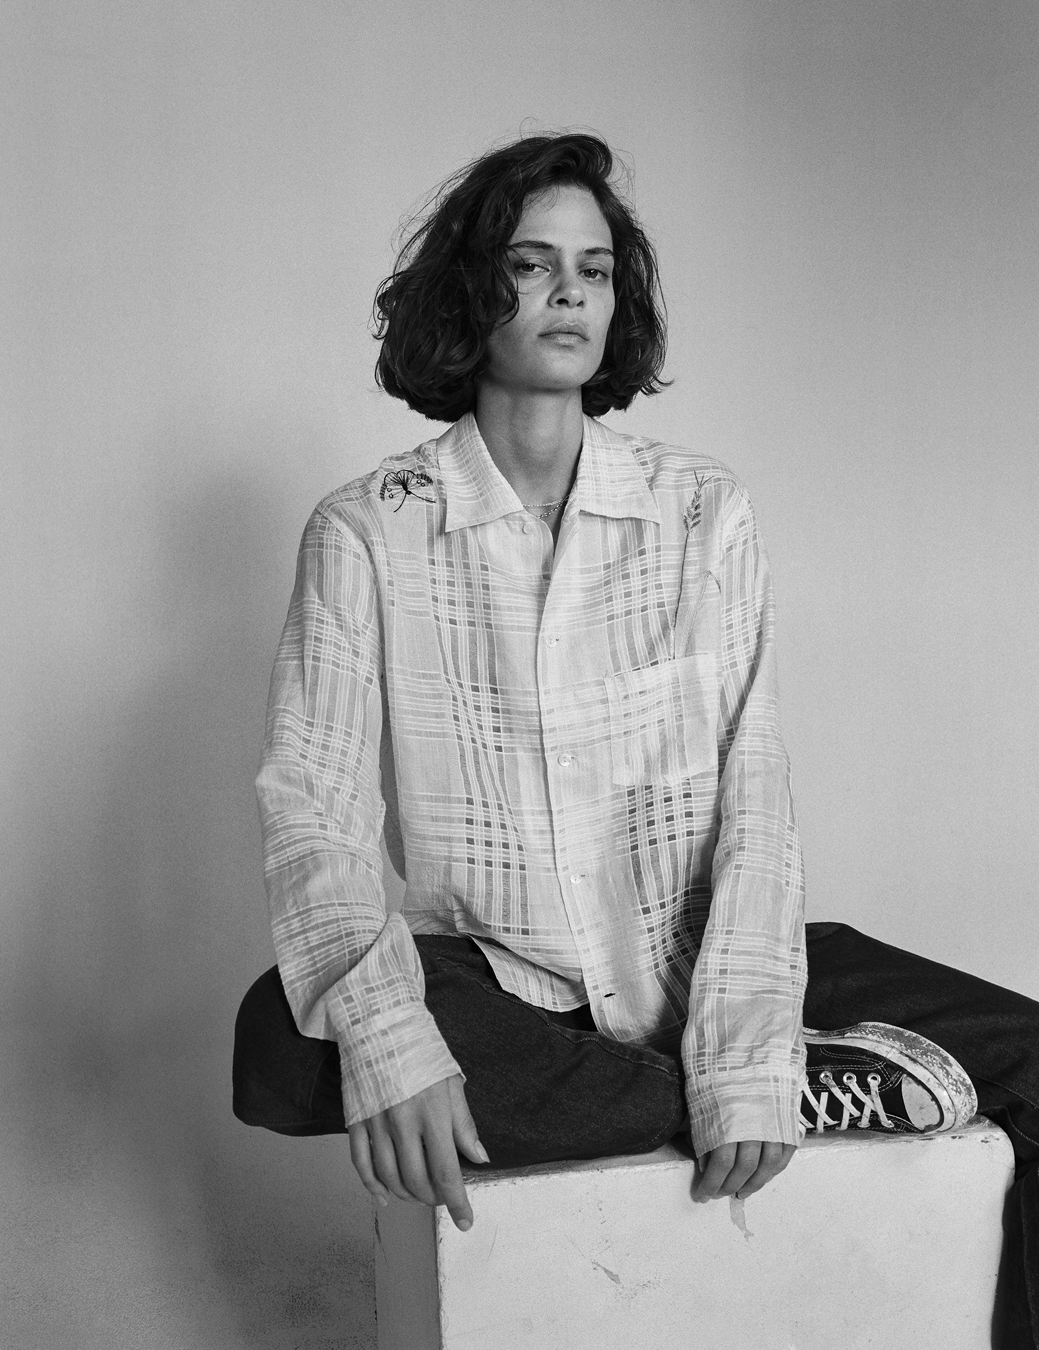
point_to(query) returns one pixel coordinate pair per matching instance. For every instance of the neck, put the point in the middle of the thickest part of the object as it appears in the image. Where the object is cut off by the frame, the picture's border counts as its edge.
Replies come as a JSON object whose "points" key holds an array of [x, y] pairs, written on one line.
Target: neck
{"points": [[533, 440]]}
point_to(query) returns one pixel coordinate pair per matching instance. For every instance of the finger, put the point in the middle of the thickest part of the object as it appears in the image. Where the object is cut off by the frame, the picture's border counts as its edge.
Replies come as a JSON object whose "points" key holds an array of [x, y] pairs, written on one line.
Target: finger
{"points": [[717, 1166], [774, 1157], [463, 1126], [748, 1155], [385, 1160], [411, 1160], [361, 1157], [446, 1176]]}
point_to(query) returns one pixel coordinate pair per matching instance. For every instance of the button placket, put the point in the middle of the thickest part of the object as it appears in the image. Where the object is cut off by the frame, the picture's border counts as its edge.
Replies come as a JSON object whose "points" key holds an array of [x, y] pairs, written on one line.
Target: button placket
{"points": [[552, 680]]}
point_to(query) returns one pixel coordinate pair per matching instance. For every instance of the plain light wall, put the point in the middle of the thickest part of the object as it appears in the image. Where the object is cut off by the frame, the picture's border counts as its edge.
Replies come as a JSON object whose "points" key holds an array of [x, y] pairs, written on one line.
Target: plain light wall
{"points": [[844, 197]]}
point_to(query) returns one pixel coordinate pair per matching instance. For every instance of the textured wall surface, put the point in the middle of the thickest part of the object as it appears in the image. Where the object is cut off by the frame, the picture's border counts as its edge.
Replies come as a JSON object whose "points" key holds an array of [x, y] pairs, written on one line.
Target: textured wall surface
{"points": [[204, 198]]}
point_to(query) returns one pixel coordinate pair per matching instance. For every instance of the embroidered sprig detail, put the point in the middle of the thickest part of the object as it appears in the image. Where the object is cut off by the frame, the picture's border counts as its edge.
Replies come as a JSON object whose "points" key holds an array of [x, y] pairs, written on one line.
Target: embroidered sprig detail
{"points": [[403, 484], [694, 510]]}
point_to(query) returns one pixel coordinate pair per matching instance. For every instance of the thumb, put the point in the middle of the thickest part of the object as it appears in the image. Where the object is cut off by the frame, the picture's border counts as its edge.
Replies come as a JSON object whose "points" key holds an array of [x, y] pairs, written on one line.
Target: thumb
{"points": [[467, 1141]]}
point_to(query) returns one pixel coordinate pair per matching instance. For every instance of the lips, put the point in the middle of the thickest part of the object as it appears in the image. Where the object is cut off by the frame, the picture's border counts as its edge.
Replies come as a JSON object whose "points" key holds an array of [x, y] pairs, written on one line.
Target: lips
{"points": [[568, 330]]}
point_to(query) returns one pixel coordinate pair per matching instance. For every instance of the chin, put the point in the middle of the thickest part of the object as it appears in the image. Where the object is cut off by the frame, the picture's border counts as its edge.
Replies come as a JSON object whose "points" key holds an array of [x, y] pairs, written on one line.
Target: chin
{"points": [[566, 374]]}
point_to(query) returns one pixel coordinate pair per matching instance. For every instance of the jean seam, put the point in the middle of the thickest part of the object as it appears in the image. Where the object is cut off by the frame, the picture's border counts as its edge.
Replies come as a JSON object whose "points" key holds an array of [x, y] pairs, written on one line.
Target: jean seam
{"points": [[615, 1048], [315, 1075], [1016, 1092], [670, 1130], [1013, 1125], [284, 1124]]}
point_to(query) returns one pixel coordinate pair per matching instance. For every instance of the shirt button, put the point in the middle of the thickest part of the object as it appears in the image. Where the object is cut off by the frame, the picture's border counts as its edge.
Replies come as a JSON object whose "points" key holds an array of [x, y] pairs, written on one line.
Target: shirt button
{"points": [[566, 760], [576, 877], [528, 529], [551, 642]]}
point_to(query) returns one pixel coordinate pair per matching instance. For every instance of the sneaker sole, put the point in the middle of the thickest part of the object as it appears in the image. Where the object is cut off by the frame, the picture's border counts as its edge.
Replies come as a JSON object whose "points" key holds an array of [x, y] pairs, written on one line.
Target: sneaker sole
{"points": [[934, 1067]]}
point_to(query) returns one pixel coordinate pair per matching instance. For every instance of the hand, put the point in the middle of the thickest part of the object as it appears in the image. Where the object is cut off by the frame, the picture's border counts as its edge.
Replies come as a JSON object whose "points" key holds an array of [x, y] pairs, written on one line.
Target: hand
{"points": [[412, 1149], [740, 1169]]}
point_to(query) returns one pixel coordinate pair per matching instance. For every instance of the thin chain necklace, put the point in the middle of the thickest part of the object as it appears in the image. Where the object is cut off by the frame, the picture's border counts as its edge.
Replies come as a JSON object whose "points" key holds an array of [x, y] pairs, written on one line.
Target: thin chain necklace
{"points": [[544, 509]]}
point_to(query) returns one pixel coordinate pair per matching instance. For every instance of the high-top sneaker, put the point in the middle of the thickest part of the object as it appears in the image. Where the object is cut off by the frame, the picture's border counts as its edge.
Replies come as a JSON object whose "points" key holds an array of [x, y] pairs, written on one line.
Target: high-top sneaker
{"points": [[873, 1076]]}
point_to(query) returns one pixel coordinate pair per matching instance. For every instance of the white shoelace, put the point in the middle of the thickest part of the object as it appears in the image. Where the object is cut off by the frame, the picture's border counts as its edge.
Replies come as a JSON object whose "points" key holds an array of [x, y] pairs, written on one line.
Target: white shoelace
{"points": [[870, 1103]]}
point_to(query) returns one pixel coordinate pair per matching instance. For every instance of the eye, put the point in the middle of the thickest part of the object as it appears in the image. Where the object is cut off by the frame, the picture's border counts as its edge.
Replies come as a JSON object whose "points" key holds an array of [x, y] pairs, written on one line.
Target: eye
{"points": [[527, 267], [597, 274]]}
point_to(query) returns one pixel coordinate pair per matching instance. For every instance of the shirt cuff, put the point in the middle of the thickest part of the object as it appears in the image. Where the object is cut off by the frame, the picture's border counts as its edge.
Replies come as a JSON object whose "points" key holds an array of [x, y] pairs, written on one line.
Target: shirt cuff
{"points": [[398, 1055], [751, 1103]]}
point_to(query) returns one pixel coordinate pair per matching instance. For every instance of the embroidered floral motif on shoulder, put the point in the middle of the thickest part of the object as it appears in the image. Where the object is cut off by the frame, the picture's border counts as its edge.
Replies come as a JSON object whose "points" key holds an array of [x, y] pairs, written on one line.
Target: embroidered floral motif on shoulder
{"points": [[694, 510], [402, 484]]}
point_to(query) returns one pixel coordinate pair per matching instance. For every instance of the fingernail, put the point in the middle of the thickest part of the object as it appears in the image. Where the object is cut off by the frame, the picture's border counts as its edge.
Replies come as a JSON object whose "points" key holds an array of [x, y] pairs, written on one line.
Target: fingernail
{"points": [[482, 1152], [465, 1224], [382, 1201]]}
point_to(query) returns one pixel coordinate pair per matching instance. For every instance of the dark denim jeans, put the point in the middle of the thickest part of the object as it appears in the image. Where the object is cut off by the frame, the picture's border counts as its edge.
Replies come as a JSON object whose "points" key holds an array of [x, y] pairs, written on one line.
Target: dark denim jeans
{"points": [[544, 1086]]}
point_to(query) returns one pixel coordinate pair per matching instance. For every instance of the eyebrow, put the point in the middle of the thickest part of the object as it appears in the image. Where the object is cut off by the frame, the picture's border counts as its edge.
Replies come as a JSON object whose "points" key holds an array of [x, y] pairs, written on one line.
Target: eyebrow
{"points": [[544, 244]]}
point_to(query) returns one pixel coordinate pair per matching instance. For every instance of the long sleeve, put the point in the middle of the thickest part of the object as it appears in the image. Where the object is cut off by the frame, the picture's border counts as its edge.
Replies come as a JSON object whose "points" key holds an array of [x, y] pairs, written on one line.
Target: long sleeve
{"points": [[742, 1047], [351, 974]]}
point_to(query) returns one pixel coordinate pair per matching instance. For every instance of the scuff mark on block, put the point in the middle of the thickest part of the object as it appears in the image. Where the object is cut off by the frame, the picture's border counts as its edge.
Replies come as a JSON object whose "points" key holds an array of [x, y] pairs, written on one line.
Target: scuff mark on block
{"points": [[737, 1215], [610, 1274]]}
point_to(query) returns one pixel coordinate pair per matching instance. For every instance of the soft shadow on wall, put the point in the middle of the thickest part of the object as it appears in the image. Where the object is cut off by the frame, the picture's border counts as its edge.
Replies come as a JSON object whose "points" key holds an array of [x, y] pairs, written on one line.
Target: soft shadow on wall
{"points": [[149, 922]]}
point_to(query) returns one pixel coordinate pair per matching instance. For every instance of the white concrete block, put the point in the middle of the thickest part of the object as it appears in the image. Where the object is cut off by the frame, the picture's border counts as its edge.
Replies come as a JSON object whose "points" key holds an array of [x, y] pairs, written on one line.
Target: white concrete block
{"points": [[863, 1241]]}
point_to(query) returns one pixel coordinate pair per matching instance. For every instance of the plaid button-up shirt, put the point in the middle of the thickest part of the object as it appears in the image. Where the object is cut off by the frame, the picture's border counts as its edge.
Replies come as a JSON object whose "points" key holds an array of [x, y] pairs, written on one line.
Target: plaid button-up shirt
{"points": [[576, 759]]}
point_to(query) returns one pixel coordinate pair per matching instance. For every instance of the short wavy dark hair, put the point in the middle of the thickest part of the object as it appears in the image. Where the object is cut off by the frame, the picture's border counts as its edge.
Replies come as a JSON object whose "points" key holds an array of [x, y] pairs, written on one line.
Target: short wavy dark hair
{"points": [[452, 284]]}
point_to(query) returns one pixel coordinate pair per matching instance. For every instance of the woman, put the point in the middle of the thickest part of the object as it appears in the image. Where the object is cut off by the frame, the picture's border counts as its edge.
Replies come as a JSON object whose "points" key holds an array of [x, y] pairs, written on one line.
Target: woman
{"points": [[545, 650]]}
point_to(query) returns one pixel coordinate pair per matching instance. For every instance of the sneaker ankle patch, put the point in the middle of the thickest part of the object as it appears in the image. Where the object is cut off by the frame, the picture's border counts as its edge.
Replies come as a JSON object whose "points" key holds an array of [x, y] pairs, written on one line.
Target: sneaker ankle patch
{"points": [[922, 1111]]}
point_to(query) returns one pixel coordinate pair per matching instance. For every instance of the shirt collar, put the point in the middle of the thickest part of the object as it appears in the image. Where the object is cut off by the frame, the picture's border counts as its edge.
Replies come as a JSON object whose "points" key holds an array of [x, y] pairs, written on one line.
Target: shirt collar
{"points": [[610, 480]]}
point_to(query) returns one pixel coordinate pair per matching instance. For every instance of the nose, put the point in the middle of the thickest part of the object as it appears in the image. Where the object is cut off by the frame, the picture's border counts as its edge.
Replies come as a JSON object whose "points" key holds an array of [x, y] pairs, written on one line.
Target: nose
{"points": [[569, 291]]}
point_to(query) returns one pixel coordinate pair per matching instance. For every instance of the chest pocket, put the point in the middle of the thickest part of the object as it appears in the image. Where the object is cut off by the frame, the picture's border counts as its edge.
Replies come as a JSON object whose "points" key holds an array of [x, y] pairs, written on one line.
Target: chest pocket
{"points": [[664, 721]]}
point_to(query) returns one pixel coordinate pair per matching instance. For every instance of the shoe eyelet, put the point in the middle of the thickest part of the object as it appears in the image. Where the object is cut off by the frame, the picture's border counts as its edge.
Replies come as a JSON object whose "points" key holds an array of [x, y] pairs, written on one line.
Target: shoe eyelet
{"points": [[850, 1079], [873, 1079]]}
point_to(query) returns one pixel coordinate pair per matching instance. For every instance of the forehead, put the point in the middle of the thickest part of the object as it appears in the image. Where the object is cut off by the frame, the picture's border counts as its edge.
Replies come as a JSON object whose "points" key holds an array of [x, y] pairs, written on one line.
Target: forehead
{"points": [[564, 216]]}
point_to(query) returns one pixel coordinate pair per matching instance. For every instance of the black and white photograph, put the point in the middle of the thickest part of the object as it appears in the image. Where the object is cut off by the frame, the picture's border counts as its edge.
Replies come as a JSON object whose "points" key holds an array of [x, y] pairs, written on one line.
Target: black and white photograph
{"points": [[520, 610]]}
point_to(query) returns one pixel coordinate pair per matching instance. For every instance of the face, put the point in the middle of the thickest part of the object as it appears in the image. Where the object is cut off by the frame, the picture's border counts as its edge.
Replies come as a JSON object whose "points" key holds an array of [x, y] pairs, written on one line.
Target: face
{"points": [[562, 255]]}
